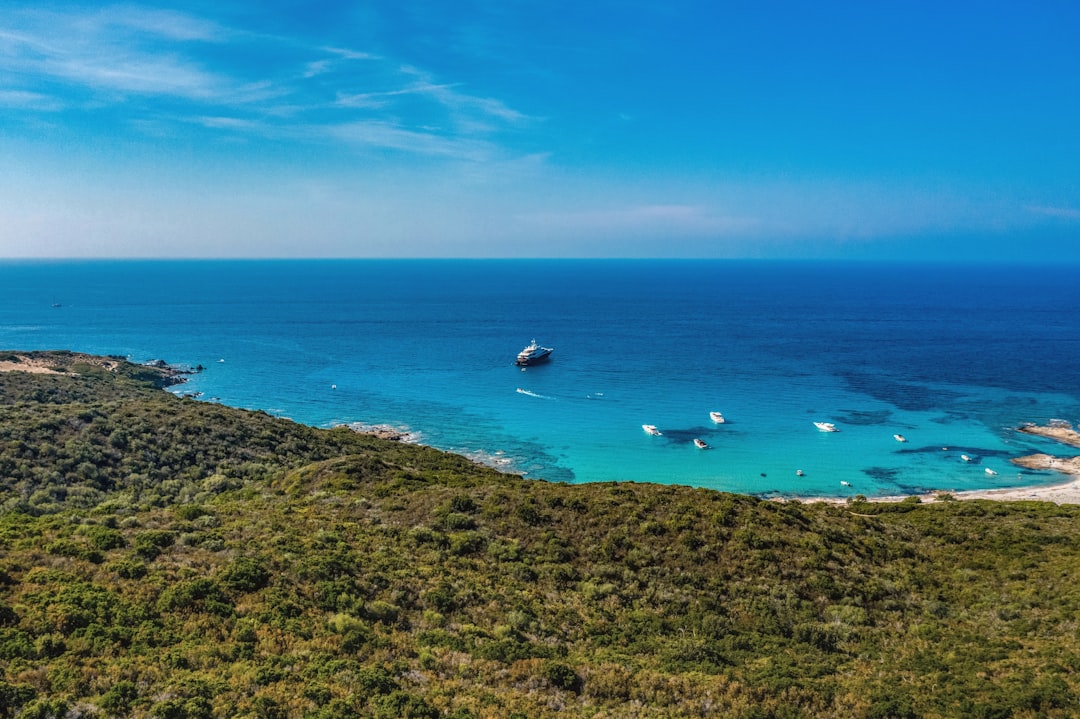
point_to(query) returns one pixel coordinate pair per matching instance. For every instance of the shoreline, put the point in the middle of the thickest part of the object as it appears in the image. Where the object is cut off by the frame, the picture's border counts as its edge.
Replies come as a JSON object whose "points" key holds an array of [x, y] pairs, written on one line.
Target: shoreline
{"points": [[1066, 491]]}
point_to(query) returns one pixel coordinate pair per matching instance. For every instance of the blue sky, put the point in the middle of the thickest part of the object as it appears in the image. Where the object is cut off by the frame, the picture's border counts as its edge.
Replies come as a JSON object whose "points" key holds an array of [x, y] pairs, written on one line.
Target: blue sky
{"points": [[504, 128]]}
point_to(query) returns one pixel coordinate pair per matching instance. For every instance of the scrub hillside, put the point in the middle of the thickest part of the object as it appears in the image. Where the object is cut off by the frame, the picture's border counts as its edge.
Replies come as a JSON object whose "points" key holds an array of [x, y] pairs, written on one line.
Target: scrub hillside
{"points": [[165, 557]]}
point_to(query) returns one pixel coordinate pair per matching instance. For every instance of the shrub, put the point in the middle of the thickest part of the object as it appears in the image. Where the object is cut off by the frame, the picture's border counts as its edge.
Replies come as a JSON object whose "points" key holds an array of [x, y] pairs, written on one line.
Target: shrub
{"points": [[119, 698], [195, 595], [189, 512], [463, 504], [462, 543], [244, 575], [8, 617], [562, 676], [149, 544], [104, 538], [458, 521], [129, 568], [376, 680]]}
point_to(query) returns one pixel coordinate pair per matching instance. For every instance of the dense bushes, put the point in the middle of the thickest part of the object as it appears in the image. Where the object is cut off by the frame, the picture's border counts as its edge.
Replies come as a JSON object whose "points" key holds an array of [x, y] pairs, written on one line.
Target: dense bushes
{"points": [[199, 572]]}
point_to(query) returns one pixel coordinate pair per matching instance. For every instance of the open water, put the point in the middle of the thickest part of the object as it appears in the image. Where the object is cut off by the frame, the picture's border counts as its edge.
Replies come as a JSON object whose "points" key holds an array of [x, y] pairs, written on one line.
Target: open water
{"points": [[953, 357]]}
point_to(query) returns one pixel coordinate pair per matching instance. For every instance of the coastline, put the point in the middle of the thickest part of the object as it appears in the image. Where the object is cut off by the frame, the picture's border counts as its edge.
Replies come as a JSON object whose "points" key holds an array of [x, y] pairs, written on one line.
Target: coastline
{"points": [[1066, 491], [1063, 492]]}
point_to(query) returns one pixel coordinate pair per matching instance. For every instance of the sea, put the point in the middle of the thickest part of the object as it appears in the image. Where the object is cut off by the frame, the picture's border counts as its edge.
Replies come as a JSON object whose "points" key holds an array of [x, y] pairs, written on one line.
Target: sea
{"points": [[952, 357]]}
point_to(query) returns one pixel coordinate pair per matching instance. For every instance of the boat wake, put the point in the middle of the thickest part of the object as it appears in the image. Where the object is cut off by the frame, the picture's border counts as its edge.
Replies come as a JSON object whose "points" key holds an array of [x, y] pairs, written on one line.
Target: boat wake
{"points": [[533, 394]]}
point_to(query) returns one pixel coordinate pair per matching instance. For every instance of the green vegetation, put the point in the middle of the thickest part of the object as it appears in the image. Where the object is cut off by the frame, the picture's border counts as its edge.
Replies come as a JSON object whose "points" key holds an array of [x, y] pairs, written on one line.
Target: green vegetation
{"points": [[162, 557]]}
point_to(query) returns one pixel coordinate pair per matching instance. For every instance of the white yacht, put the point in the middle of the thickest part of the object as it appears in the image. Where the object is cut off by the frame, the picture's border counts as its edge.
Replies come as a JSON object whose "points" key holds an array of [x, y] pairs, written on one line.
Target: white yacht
{"points": [[717, 417], [533, 354], [826, 426], [899, 438], [700, 443], [651, 429]]}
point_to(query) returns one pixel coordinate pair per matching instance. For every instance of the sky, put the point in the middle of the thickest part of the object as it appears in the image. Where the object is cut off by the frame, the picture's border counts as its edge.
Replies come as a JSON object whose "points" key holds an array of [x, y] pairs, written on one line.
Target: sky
{"points": [[506, 128]]}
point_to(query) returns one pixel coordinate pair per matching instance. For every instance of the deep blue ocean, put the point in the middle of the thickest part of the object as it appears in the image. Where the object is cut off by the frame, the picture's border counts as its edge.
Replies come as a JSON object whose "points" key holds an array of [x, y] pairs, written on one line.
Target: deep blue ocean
{"points": [[953, 357]]}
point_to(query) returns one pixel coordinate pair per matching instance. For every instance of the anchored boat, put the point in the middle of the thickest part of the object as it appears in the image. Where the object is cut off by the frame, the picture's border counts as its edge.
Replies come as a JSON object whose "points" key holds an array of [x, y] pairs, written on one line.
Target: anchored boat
{"points": [[533, 354]]}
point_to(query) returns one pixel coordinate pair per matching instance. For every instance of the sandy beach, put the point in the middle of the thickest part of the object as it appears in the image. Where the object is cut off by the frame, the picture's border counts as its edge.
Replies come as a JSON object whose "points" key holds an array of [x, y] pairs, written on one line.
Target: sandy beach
{"points": [[1066, 492]]}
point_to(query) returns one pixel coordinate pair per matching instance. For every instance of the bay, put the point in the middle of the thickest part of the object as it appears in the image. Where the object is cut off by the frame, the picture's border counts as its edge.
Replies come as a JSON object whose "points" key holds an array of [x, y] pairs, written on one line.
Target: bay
{"points": [[952, 356]]}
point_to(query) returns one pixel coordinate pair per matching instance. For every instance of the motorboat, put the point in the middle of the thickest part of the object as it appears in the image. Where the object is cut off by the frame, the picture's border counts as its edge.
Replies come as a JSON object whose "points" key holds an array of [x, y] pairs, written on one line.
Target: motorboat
{"points": [[965, 458], [799, 473], [826, 426], [651, 429], [533, 354], [717, 417], [899, 438], [700, 443], [989, 471], [844, 483]]}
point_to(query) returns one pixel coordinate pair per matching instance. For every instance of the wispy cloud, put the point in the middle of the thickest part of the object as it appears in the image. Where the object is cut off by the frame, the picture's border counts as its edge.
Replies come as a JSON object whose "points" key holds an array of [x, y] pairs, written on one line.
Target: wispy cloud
{"points": [[386, 135], [464, 112], [22, 100], [649, 218], [463, 105], [230, 123], [1067, 213], [151, 65], [128, 51], [167, 24]]}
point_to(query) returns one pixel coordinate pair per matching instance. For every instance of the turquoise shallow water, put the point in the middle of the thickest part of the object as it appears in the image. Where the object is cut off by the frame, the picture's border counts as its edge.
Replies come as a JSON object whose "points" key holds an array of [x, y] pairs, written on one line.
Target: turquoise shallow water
{"points": [[953, 358]]}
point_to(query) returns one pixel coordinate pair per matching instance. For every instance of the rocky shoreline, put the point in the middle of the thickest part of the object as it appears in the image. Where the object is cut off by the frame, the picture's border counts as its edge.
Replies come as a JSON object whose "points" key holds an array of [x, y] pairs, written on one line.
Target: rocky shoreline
{"points": [[1057, 429], [1061, 431], [1066, 465], [384, 431]]}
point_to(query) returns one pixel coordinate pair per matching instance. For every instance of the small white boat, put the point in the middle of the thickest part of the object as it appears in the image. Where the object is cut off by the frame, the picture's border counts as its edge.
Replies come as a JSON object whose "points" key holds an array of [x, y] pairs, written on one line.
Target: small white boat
{"points": [[717, 417], [990, 471], [965, 458], [846, 484], [899, 438], [651, 429], [700, 443], [826, 426], [798, 473]]}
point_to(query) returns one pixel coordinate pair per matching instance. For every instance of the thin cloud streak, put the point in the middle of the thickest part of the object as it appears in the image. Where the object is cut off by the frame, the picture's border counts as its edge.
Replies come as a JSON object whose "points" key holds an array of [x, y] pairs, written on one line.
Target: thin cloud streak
{"points": [[678, 219], [101, 51], [380, 134], [1066, 213], [119, 54], [22, 100]]}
